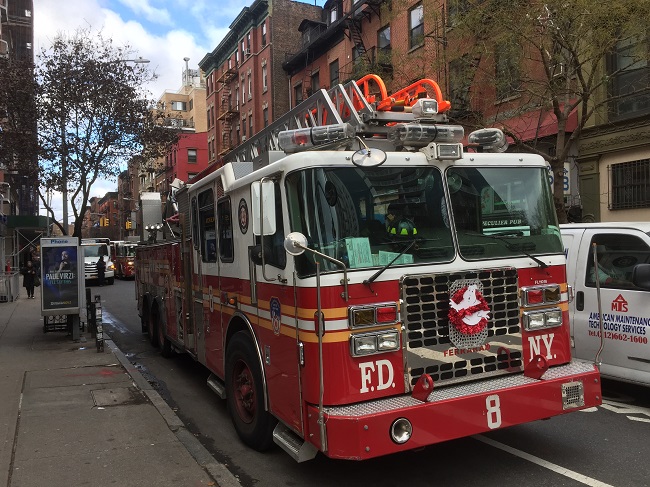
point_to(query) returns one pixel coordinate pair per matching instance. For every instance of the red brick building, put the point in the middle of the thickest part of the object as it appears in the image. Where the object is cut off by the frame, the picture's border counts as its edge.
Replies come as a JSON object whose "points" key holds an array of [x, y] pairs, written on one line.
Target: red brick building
{"points": [[246, 85]]}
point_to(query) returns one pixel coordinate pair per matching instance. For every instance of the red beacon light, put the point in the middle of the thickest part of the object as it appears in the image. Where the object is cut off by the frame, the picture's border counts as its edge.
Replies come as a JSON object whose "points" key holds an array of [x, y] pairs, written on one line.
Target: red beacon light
{"points": [[308, 138]]}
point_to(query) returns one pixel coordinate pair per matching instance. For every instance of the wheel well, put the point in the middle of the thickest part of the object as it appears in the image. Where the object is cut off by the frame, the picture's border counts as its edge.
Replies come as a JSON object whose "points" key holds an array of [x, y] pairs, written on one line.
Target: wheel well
{"points": [[237, 324]]}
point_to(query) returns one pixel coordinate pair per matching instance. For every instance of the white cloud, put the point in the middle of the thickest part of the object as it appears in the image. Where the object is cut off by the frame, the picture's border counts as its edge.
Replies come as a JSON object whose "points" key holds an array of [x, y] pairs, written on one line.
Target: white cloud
{"points": [[152, 14]]}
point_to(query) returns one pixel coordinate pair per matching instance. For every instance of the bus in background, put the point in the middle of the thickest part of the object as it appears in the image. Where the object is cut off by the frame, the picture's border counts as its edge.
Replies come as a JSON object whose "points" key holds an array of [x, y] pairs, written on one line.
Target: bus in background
{"points": [[124, 259]]}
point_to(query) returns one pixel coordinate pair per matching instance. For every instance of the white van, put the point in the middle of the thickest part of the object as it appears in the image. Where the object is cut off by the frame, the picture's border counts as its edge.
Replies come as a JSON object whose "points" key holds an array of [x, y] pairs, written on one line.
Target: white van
{"points": [[93, 248], [623, 271]]}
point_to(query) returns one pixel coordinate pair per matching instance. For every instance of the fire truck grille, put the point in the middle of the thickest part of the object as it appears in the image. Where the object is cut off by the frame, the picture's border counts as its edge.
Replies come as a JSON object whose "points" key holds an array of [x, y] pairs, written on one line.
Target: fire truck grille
{"points": [[430, 350]]}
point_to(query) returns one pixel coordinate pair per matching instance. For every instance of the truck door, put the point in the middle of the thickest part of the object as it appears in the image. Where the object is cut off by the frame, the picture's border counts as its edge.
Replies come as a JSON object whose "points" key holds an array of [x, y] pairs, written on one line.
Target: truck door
{"points": [[276, 309], [625, 329]]}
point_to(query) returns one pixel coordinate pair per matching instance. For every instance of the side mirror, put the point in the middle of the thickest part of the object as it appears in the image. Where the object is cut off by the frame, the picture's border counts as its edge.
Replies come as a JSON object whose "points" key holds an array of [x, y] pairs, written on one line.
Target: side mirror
{"points": [[641, 276], [263, 201]]}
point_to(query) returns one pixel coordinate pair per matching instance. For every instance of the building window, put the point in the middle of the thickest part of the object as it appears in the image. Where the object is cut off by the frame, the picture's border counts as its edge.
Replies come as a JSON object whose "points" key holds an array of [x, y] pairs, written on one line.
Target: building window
{"points": [[191, 175], [336, 12], [297, 94], [250, 86], [507, 73], [630, 185], [250, 125], [630, 77], [460, 81], [243, 123], [243, 93], [191, 104], [248, 43], [264, 78], [179, 106], [236, 57], [454, 9], [265, 115], [264, 34], [191, 156], [315, 82], [334, 73], [416, 26], [383, 39]]}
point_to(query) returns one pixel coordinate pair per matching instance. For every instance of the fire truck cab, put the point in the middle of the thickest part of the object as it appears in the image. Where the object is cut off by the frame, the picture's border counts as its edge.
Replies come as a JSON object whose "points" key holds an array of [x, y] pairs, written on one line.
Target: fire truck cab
{"points": [[359, 283]]}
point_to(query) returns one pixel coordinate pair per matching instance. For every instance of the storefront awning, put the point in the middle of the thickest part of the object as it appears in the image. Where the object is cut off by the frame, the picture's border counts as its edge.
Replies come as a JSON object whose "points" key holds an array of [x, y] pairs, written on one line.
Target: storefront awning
{"points": [[538, 124]]}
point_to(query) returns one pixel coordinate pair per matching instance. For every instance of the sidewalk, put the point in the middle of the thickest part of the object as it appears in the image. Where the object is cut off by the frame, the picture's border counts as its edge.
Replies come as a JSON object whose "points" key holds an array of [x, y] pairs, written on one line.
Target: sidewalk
{"points": [[72, 416]]}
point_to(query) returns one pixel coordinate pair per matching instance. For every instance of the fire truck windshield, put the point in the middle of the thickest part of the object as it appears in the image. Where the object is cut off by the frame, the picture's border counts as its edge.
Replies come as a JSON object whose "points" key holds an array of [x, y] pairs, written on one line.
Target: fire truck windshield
{"points": [[512, 206], [366, 217]]}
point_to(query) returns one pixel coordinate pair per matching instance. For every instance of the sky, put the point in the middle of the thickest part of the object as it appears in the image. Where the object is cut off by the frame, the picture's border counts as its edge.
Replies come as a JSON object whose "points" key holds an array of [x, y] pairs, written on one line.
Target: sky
{"points": [[162, 31]]}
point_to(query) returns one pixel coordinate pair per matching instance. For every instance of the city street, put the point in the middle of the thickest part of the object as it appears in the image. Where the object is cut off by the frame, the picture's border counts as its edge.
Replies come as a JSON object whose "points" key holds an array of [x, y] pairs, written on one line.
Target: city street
{"points": [[607, 446]]}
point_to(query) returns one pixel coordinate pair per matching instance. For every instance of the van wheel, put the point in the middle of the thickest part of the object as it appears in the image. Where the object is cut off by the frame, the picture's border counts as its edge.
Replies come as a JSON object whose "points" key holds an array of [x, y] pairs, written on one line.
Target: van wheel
{"points": [[245, 394]]}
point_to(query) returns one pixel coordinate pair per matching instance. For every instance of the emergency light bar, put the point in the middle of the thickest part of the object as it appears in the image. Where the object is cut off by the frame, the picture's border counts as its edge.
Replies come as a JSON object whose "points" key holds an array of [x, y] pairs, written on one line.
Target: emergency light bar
{"points": [[421, 135], [490, 140], [303, 139]]}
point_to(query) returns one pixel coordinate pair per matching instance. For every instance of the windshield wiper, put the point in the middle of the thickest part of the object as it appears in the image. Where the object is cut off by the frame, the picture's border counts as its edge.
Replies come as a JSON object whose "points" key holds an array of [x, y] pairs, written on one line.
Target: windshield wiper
{"points": [[501, 237], [380, 271]]}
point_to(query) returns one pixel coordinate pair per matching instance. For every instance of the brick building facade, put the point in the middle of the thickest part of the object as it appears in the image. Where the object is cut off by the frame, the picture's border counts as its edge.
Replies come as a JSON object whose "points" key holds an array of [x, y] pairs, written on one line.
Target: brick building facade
{"points": [[246, 85]]}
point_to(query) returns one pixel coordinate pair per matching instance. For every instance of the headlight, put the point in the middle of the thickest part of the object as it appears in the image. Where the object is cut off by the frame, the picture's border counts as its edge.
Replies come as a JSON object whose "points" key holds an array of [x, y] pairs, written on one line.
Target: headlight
{"points": [[549, 318], [364, 345], [370, 343]]}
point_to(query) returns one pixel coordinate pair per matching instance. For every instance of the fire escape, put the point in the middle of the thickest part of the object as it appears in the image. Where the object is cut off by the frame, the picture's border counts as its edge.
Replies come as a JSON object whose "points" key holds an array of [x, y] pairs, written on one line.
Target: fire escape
{"points": [[363, 9], [226, 110]]}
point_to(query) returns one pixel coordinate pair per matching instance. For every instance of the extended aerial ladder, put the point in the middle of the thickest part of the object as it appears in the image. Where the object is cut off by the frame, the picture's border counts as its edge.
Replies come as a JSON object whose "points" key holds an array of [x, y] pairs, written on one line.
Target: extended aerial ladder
{"points": [[364, 104]]}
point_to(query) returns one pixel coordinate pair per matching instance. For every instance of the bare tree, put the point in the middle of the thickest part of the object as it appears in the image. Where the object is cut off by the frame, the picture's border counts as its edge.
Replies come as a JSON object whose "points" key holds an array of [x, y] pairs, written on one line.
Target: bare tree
{"points": [[94, 116], [563, 60]]}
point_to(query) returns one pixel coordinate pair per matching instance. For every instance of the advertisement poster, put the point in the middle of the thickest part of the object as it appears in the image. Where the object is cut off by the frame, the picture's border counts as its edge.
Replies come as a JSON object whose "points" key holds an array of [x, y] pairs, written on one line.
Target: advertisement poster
{"points": [[60, 276]]}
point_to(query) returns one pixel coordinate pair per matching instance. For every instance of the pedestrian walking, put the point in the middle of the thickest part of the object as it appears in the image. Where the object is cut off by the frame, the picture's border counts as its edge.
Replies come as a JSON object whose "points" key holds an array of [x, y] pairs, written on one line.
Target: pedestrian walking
{"points": [[101, 270], [29, 278]]}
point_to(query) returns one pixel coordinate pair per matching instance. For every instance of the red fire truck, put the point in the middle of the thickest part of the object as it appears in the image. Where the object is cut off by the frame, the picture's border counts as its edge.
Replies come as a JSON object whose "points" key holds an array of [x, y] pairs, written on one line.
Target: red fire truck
{"points": [[361, 279], [124, 258]]}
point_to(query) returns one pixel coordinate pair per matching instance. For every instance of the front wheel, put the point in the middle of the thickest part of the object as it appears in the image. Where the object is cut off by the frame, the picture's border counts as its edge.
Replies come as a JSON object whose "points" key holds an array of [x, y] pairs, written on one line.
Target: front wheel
{"points": [[245, 394]]}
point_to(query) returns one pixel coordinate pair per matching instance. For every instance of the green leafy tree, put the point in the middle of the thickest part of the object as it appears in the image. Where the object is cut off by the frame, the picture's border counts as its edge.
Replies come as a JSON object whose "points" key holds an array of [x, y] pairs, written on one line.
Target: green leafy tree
{"points": [[94, 116], [555, 57]]}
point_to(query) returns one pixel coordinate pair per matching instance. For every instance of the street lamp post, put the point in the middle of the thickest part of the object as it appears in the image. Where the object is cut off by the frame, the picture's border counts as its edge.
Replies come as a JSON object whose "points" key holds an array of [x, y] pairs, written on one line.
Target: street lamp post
{"points": [[64, 149]]}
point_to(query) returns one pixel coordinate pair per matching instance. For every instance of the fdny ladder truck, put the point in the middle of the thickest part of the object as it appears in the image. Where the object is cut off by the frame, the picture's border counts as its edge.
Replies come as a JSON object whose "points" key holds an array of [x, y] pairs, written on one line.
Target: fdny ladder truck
{"points": [[361, 279]]}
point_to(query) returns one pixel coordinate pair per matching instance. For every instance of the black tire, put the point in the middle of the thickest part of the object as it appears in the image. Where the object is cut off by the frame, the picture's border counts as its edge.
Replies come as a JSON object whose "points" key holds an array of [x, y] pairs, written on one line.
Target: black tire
{"points": [[152, 327], [162, 342], [245, 394]]}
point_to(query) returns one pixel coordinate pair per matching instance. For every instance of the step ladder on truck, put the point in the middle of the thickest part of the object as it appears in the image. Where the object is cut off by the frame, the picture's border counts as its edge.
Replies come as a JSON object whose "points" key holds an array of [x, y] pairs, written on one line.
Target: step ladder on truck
{"points": [[361, 280]]}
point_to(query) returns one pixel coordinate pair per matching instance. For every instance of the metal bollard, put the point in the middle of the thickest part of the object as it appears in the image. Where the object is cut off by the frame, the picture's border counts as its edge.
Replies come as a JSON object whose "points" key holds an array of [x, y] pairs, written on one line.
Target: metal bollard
{"points": [[99, 326]]}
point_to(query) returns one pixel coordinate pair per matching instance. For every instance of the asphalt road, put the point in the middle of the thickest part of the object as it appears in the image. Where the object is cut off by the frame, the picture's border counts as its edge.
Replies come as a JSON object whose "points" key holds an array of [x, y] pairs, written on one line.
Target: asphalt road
{"points": [[606, 446]]}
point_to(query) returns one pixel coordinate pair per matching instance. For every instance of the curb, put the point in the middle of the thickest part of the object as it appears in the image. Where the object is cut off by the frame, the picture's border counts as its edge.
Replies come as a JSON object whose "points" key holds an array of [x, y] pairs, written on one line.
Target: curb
{"points": [[216, 470]]}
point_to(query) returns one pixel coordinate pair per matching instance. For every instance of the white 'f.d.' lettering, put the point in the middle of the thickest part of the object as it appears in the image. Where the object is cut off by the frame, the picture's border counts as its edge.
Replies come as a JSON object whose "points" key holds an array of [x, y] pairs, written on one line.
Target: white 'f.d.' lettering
{"points": [[376, 375], [536, 345]]}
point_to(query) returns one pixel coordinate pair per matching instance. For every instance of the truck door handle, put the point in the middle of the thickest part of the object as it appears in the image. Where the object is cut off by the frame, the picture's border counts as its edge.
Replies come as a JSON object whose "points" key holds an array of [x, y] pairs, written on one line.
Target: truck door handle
{"points": [[580, 300]]}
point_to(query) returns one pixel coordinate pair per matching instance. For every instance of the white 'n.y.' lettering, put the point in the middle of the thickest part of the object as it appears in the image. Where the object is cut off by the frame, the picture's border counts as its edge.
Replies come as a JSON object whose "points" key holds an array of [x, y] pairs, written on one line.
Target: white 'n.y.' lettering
{"points": [[536, 345]]}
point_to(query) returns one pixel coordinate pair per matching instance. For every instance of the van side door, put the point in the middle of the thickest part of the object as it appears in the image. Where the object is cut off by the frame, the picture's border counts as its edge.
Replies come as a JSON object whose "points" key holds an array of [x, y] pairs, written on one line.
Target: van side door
{"points": [[625, 320]]}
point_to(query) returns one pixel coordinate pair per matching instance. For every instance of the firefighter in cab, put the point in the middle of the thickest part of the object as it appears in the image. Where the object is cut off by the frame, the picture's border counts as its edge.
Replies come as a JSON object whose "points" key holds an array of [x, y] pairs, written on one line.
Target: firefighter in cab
{"points": [[398, 223]]}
